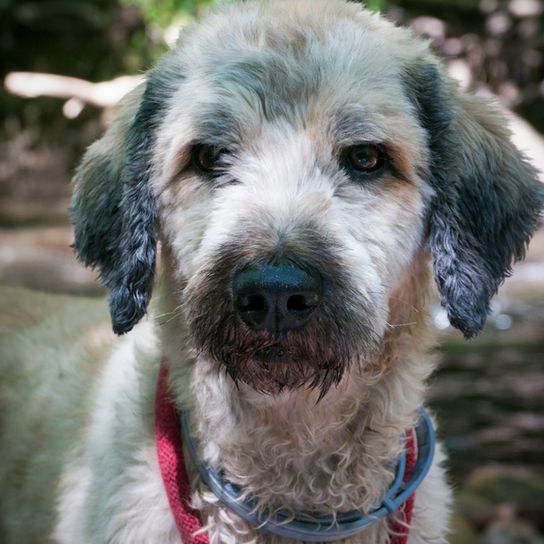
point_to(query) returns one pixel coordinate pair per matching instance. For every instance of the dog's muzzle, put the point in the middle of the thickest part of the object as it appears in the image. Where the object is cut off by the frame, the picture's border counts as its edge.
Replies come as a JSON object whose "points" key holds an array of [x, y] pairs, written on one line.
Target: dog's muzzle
{"points": [[283, 318], [276, 299]]}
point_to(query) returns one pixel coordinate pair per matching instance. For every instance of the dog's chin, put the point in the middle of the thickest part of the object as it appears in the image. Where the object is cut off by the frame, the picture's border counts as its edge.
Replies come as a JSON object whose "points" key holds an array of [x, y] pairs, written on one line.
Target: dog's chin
{"points": [[273, 365], [272, 375]]}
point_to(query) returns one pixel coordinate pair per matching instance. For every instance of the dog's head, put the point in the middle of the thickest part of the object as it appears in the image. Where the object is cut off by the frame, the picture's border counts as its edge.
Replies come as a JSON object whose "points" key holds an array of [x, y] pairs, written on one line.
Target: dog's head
{"points": [[294, 156]]}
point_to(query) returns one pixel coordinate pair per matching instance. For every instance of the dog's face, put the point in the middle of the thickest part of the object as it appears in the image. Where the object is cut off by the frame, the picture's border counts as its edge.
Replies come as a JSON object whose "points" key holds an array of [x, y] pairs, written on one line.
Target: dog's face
{"points": [[294, 156]]}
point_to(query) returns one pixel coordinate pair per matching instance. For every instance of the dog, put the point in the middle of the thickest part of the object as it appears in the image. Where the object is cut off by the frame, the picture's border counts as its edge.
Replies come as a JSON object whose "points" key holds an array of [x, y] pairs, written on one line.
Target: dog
{"points": [[304, 168]]}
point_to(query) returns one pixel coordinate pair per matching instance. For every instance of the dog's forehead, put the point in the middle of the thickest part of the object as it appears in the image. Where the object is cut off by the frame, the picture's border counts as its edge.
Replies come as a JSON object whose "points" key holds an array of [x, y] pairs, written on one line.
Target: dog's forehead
{"points": [[298, 59]]}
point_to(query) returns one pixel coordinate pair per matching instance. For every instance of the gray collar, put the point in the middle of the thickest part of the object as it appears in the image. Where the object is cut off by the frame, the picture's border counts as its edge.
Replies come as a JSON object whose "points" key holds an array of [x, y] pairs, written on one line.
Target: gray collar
{"points": [[321, 528]]}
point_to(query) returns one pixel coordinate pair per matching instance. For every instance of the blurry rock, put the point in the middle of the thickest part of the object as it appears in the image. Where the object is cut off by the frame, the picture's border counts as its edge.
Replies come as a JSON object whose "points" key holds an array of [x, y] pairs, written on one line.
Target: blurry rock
{"points": [[41, 258], [34, 182]]}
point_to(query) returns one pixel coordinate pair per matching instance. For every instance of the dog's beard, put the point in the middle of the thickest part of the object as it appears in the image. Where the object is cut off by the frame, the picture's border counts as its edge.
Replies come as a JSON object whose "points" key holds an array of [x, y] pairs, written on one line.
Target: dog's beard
{"points": [[312, 357], [315, 356]]}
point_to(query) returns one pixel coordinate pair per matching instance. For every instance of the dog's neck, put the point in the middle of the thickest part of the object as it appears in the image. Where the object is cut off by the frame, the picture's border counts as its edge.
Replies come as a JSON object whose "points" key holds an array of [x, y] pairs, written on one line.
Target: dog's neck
{"points": [[290, 450]]}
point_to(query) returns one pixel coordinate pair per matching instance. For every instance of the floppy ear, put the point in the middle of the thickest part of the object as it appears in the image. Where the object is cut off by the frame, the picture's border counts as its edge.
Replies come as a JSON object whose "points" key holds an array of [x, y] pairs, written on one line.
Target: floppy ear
{"points": [[113, 208], [487, 197]]}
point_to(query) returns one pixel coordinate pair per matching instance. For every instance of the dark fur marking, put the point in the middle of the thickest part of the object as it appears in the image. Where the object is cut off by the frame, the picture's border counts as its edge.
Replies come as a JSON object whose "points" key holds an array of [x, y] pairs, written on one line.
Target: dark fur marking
{"points": [[486, 204], [117, 232], [266, 82], [95, 212]]}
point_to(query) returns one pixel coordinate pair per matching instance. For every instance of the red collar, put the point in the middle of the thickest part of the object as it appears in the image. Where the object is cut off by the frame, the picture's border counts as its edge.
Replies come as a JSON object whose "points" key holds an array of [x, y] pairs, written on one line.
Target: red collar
{"points": [[176, 482]]}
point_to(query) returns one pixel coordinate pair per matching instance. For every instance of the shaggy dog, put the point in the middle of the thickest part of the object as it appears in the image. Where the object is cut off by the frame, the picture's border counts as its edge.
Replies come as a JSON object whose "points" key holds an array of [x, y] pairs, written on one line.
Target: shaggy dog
{"points": [[300, 163]]}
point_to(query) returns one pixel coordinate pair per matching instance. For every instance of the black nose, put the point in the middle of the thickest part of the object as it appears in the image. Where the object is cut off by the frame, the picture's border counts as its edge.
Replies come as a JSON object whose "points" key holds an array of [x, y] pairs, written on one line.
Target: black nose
{"points": [[276, 298]]}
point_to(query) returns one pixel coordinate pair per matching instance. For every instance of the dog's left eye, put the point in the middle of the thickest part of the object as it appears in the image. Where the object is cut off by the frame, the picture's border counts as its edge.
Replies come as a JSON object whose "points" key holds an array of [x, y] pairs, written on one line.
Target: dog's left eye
{"points": [[363, 158], [209, 158]]}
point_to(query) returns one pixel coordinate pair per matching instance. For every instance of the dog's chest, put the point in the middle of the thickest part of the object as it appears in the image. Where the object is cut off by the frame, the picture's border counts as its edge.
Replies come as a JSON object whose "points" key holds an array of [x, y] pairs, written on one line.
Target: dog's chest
{"points": [[301, 473]]}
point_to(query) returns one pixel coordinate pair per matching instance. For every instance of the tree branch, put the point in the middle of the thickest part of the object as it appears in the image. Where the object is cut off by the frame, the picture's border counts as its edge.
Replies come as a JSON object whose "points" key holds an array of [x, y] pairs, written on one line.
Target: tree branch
{"points": [[104, 94]]}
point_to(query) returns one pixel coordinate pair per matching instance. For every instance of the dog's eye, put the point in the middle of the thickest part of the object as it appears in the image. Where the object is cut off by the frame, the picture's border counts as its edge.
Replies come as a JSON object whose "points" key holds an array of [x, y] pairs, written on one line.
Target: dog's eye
{"points": [[209, 158], [363, 158]]}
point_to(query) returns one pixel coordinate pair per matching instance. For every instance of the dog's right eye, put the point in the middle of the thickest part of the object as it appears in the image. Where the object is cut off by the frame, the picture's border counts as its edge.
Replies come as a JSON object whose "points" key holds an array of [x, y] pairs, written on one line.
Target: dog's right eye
{"points": [[209, 158], [363, 159]]}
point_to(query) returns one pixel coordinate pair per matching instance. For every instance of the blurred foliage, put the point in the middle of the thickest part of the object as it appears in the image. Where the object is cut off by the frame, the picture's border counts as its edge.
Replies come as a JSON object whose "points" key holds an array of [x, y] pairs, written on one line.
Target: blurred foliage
{"points": [[88, 39], [163, 12], [376, 5]]}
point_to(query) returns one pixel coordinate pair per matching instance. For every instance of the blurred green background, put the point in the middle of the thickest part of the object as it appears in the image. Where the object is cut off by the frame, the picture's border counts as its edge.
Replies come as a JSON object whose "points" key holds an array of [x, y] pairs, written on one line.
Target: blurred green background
{"points": [[488, 393]]}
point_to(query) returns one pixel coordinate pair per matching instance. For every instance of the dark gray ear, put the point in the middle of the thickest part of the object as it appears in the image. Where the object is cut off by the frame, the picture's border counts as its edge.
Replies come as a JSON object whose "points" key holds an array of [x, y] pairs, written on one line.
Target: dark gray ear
{"points": [[113, 208], [487, 197]]}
